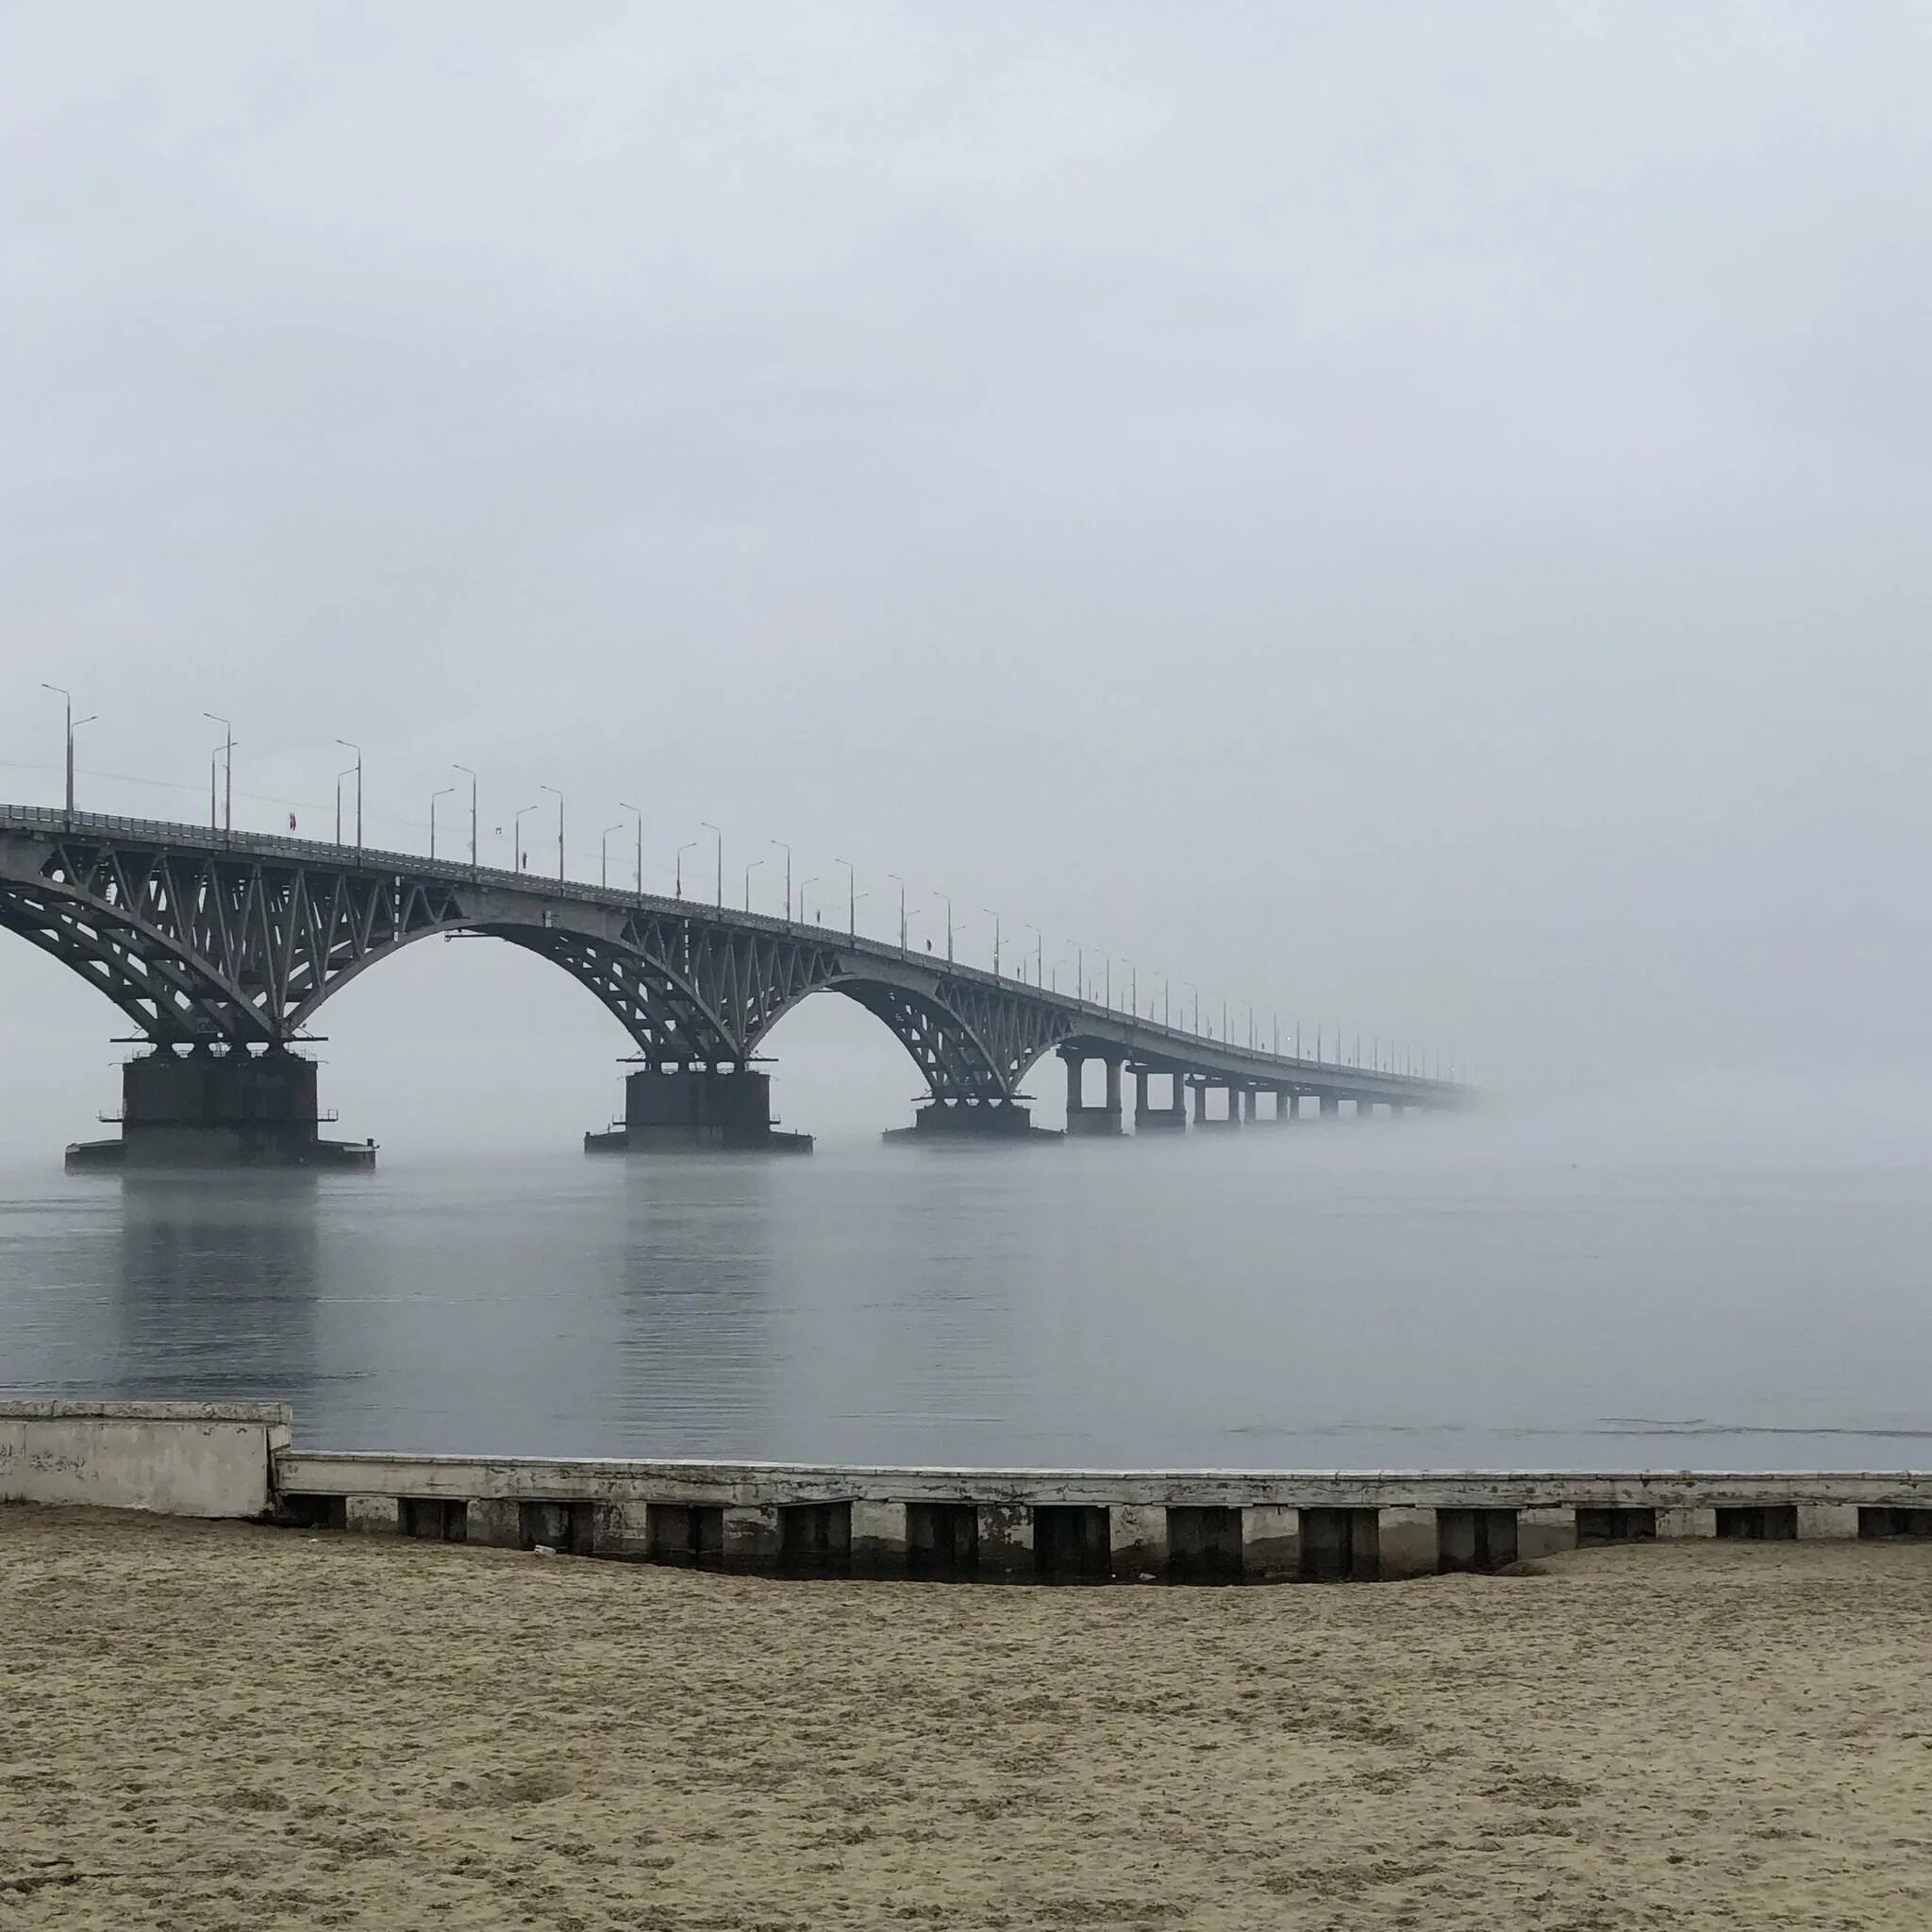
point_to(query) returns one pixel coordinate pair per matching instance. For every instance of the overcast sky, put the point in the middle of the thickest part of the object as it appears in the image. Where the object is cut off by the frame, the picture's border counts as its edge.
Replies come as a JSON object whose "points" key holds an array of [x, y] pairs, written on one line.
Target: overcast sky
{"points": [[1412, 516]]}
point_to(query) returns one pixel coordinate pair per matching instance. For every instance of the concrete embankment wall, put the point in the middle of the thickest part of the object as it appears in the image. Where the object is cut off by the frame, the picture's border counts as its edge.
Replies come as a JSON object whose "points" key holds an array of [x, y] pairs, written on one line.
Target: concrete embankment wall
{"points": [[177, 1458], [235, 1459], [1078, 1524]]}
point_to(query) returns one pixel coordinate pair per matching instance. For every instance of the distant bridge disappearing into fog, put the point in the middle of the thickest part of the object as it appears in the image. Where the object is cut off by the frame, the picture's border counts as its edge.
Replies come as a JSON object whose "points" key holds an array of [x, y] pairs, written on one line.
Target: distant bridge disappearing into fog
{"points": [[221, 947]]}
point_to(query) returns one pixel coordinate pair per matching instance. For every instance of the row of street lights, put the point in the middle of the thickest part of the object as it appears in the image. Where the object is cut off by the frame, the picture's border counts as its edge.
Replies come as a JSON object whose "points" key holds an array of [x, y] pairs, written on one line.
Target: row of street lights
{"points": [[222, 816]]}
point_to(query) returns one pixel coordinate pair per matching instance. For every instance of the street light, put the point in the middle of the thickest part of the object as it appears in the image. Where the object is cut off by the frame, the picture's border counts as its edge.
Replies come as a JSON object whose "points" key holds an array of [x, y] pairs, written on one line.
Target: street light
{"points": [[677, 866], [995, 918], [433, 797], [472, 776], [1197, 991], [804, 887], [73, 724], [902, 907], [604, 855], [1079, 970], [558, 796], [356, 768], [786, 850], [1133, 988], [851, 897], [947, 897], [710, 827], [226, 748], [625, 804], [748, 871], [517, 833], [348, 771], [1038, 950]]}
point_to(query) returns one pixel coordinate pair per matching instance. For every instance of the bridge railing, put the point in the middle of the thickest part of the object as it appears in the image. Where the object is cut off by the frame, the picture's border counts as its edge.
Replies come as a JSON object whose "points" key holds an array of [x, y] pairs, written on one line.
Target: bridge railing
{"points": [[1173, 1041]]}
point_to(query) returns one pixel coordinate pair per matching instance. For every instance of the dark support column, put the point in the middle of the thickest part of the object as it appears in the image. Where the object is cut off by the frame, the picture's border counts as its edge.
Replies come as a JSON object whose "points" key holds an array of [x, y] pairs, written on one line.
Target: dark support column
{"points": [[226, 1110], [1248, 1103], [1085, 1120], [1284, 1104], [1329, 1107], [1151, 1119], [690, 1110], [1200, 1103]]}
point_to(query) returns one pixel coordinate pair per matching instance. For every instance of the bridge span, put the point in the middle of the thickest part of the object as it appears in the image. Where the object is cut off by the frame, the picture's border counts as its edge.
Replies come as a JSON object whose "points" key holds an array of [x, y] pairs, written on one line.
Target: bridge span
{"points": [[221, 947]]}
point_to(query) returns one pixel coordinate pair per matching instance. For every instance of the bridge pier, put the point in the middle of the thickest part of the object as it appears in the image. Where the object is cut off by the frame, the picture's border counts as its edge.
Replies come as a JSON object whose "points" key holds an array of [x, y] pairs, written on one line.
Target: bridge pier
{"points": [[956, 1122], [1330, 1106], [227, 1109], [696, 1110], [1083, 1120], [1284, 1105], [1172, 1118]]}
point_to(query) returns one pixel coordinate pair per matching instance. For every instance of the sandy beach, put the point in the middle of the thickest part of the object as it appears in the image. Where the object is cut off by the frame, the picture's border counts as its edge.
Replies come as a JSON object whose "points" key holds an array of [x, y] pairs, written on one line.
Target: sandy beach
{"points": [[215, 1725]]}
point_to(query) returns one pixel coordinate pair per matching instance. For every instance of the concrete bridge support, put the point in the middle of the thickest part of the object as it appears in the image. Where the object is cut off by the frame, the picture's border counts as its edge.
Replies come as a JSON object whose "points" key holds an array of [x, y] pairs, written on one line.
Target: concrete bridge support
{"points": [[1284, 1105], [955, 1123], [1081, 1119], [697, 1110], [1172, 1118], [219, 1109]]}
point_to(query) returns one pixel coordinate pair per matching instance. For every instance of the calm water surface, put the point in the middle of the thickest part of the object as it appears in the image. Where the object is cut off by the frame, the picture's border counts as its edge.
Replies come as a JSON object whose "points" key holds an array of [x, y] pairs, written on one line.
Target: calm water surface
{"points": [[1324, 1305]]}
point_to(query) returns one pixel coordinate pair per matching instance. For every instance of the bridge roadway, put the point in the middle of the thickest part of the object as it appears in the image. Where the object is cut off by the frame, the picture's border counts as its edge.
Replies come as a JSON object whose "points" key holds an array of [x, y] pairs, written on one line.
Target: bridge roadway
{"points": [[222, 947]]}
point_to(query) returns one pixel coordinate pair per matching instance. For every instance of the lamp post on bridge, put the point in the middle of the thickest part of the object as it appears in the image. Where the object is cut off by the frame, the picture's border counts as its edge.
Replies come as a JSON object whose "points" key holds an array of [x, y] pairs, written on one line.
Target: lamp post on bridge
{"points": [[851, 897], [224, 752], [356, 768], [443, 793], [604, 855], [786, 851], [901, 884], [948, 898], [1039, 950], [625, 805], [995, 918], [558, 796], [517, 833], [472, 776], [1197, 991], [226, 748], [677, 867], [1079, 970], [1164, 1000], [348, 771], [1106, 981], [73, 724], [1133, 988], [710, 827], [748, 871], [804, 887]]}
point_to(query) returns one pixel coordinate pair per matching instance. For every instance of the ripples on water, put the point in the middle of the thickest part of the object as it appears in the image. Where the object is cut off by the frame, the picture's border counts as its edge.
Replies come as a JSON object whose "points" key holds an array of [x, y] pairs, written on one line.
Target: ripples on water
{"points": [[1252, 1303]]}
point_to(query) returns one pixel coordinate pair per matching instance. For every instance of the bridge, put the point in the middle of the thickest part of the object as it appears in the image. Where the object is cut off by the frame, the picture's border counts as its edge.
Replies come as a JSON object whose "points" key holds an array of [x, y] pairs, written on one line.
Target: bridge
{"points": [[221, 948]]}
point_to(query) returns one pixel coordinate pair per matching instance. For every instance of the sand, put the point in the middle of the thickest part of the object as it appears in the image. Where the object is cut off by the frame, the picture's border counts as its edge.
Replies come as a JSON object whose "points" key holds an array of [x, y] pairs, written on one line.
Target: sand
{"points": [[225, 1726]]}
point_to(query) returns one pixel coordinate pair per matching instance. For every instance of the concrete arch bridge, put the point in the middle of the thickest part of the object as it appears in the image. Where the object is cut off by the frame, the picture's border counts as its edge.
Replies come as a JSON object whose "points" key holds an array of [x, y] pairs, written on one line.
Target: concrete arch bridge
{"points": [[221, 948]]}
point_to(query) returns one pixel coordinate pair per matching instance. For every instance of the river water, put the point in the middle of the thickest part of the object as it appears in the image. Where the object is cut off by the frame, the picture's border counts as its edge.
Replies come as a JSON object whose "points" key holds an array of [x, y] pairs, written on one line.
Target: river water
{"points": [[1302, 1300]]}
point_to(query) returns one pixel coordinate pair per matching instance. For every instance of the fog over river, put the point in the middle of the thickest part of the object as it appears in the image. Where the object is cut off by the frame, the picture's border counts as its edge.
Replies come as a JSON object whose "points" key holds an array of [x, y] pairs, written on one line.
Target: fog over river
{"points": [[1414, 1294]]}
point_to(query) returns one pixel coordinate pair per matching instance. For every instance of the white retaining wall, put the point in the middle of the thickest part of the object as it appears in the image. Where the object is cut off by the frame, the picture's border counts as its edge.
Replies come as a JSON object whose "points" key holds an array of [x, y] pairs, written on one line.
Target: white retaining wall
{"points": [[177, 1458]]}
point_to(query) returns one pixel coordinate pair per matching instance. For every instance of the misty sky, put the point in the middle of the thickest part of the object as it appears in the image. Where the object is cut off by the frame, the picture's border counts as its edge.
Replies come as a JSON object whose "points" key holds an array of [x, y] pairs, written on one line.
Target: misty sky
{"points": [[1412, 516]]}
